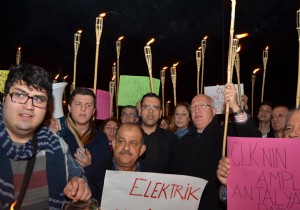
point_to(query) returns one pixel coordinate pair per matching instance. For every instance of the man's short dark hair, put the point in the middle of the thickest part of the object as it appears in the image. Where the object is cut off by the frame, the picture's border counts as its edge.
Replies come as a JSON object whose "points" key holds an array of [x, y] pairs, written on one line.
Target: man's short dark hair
{"points": [[82, 91], [132, 125], [33, 76], [154, 95], [130, 107], [267, 103]]}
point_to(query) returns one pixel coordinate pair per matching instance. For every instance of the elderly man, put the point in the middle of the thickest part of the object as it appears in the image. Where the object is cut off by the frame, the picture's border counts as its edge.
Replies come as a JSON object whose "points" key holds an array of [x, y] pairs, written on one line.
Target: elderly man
{"points": [[129, 114], [31, 152], [278, 120], [199, 151], [128, 147]]}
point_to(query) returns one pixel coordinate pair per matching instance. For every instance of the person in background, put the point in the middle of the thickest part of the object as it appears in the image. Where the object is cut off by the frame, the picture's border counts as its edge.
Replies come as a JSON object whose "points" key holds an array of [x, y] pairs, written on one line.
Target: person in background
{"points": [[278, 120], [55, 173], [109, 127], [127, 149], [264, 119], [164, 123], [129, 114], [88, 145], [160, 143], [182, 119]]}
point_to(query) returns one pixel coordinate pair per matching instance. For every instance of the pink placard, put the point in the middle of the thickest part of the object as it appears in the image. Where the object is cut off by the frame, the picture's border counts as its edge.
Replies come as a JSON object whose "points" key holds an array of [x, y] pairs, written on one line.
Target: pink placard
{"points": [[103, 105], [264, 174]]}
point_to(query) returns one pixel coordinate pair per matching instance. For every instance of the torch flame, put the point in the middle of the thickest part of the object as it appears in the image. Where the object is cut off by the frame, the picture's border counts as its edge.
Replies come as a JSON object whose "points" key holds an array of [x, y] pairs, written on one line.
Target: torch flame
{"points": [[239, 48], [113, 78], [255, 70], [267, 47], [150, 42], [205, 37], [79, 31], [240, 36], [114, 63], [164, 68], [175, 64], [102, 15], [168, 102], [120, 38], [19, 48], [13, 205], [65, 77], [199, 48], [56, 76]]}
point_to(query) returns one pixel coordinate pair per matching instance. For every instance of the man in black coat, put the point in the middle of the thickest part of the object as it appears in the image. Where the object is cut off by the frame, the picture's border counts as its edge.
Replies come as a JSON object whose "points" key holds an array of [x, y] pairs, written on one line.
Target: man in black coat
{"points": [[199, 152]]}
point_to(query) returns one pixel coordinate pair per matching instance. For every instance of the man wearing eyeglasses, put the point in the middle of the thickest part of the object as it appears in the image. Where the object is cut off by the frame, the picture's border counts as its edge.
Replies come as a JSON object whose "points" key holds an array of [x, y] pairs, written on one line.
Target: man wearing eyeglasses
{"points": [[199, 151], [159, 142], [55, 174], [129, 114]]}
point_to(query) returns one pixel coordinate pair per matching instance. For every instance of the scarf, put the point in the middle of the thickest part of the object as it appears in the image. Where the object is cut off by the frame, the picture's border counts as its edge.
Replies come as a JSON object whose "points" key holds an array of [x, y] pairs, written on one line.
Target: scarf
{"points": [[55, 167], [84, 138]]}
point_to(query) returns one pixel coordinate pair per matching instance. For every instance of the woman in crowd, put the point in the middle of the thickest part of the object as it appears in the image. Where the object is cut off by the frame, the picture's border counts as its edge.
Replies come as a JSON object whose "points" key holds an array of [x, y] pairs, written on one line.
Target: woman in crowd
{"points": [[109, 127], [182, 119]]}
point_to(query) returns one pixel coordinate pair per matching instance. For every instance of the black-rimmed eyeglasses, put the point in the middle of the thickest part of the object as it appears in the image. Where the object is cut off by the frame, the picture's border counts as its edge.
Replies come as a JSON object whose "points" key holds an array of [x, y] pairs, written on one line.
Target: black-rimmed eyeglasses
{"points": [[22, 98]]}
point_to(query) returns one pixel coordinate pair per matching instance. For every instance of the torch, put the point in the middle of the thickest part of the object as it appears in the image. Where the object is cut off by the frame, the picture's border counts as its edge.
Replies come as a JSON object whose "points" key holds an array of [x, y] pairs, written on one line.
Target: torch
{"points": [[298, 85], [98, 29], [18, 56], [64, 97], [253, 77], [118, 49], [167, 108], [111, 93], [237, 68], [173, 77], [229, 71], [114, 78], [198, 61], [203, 47], [77, 37], [265, 61], [162, 79], [148, 56]]}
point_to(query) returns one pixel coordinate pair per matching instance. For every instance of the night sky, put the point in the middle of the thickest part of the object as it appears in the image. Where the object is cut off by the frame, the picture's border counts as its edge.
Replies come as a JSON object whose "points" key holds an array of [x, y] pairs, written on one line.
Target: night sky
{"points": [[45, 31]]}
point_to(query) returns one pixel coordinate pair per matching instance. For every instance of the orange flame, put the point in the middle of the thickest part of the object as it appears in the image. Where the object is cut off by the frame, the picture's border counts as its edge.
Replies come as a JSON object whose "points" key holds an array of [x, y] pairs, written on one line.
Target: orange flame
{"points": [[13, 205], [120, 38], [56, 76], [79, 31], [240, 36], [150, 41], [255, 70], [114, 63], [168, 102], [165, 68], [205, 37], [175, 64], [19, 48], [239, 48], [65, 77], [267, 47], [102, 15], [113, 78]]}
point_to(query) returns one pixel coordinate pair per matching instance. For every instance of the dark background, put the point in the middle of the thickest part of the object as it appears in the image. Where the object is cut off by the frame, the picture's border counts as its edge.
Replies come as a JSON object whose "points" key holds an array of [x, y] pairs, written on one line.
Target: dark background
{"points": [[45, 31]]}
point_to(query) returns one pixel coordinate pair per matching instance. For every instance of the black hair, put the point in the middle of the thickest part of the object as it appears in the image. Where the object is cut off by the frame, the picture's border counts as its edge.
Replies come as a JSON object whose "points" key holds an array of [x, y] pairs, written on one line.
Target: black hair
{"points": [[33, 76], [82, 91], [154, 95]]}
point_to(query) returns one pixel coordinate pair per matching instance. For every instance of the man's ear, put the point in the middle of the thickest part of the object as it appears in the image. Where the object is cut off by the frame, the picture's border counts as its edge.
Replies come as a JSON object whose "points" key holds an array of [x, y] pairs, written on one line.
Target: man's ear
{"points": [[142, 150], [69, 108]]}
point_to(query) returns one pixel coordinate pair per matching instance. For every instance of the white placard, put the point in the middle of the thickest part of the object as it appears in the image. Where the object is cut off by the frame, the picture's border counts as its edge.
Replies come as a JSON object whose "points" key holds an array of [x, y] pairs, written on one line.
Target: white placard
{"points": [[216, 93], [144, 191]]}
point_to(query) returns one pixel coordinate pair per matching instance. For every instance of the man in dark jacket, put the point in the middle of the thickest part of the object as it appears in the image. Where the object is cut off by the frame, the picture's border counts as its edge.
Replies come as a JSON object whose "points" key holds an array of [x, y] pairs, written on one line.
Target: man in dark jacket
{"points": [[199, 152]]}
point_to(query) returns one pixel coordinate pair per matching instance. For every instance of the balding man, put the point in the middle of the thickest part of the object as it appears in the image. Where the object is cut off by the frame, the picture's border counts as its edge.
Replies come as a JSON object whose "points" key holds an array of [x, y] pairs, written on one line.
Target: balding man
{"points": [[278, 120], [199, 151]]}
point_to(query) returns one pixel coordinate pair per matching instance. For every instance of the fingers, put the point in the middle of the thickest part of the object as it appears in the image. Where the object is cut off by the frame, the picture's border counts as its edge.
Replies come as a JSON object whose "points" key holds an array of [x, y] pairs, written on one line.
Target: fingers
{"points": [[83, 157], [77, 189]]}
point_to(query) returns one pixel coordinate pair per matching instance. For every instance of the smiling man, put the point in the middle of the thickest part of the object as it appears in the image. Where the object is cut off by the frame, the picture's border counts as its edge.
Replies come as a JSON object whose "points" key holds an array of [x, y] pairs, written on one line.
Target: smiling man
{"points": [[25, 143]]}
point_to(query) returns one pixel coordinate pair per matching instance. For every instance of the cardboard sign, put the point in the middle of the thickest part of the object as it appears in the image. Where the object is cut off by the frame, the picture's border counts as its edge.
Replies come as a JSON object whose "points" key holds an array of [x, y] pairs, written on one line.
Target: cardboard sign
{"points": [[144, 191], [102, 105], [132, 89], [264, 174], [3, 77], [216, 93]]}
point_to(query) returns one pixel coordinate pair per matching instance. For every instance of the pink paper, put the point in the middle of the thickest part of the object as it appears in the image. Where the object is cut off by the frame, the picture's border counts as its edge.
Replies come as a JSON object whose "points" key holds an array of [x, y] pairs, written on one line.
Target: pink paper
{"points": [[264, 174], [102, 104]]}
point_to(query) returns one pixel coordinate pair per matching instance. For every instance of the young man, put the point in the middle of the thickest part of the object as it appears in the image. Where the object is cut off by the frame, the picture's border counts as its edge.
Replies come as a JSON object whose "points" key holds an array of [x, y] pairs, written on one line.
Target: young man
{"points": [[55, 173], [160, 143]]}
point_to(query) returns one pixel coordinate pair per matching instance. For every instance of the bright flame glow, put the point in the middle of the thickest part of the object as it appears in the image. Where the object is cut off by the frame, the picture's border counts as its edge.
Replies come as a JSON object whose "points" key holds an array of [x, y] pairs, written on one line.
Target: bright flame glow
{"points": [[13, 205], [65, 77], [113, 78], [56, 76], [175, 64], [79, 31], [239, 48], [164, 68], [168, 102], [102, 15], [205, 37], [114, 63], [240, 36], [19, 48], [120, 38], [255, 70], [267, 47], [150, 42]]}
